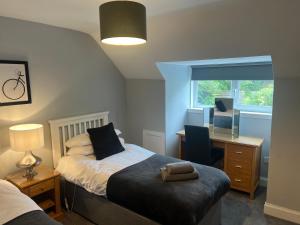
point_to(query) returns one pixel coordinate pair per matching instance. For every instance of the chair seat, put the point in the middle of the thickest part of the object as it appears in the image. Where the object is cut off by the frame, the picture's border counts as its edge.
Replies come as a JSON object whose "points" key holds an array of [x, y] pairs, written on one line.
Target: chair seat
{"points": [[217, 154]]}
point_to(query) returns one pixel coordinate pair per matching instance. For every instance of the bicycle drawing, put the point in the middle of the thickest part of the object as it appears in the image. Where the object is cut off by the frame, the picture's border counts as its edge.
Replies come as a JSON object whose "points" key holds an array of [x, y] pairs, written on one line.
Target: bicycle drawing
{"points": [[14, 83], [14, 88]]}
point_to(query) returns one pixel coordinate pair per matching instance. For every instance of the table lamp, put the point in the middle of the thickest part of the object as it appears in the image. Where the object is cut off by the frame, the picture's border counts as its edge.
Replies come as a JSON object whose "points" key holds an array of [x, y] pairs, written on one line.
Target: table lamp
{"points": [[25, 138]]}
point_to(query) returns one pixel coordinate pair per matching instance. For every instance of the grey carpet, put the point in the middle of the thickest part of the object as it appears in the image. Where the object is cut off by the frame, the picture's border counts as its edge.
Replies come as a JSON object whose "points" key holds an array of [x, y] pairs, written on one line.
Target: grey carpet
{"points": [[237, 209]]}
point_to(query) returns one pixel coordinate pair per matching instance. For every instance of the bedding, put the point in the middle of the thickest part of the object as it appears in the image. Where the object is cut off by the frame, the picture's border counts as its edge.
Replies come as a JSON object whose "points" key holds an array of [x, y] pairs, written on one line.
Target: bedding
{"points": [[33, 218], [132, 180], [105, 141], [83, 140], [18, 209], [79, 140], [92, 174], [122, 141], [81, 150], [173, 203]]}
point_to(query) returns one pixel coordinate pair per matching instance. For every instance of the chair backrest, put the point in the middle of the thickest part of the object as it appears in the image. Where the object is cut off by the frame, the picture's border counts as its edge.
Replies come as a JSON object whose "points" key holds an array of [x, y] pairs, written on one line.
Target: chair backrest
{"points": [[197, 145]]}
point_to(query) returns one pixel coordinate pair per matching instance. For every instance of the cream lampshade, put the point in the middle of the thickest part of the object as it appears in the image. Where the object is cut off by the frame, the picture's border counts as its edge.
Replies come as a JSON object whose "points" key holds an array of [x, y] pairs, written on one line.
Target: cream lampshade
{"points": [[25, 138]]}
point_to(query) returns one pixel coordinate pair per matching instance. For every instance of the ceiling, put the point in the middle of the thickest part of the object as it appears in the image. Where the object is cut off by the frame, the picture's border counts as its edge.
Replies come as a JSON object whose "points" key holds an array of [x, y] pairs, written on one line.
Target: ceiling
{"points": [[80, 15], [183, 30]]}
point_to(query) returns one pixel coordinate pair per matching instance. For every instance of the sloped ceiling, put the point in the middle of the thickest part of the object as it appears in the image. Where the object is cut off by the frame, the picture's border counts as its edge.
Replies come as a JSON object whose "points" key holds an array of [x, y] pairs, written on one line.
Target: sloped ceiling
{"points": [[182, 30], [81, 15], [220, 29]]}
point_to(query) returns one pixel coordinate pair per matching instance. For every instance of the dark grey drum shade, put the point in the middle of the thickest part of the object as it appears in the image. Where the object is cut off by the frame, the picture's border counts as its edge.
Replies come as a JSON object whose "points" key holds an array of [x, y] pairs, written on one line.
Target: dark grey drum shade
{"points": [[123, 23]]}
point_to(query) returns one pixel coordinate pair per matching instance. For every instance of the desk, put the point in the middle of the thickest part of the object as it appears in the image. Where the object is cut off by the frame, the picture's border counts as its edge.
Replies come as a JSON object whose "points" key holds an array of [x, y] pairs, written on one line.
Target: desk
{"points": [[241, 159]]}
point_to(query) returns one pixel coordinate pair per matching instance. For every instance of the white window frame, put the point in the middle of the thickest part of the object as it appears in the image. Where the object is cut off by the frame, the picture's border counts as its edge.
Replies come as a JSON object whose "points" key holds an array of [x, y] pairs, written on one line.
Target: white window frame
{"points": [[234, 95]]}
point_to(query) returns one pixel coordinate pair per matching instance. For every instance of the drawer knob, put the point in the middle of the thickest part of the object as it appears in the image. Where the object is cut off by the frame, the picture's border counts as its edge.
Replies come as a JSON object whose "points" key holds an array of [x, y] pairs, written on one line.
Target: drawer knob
{"points": [[237, 180], [239, 152], [238, 166]]}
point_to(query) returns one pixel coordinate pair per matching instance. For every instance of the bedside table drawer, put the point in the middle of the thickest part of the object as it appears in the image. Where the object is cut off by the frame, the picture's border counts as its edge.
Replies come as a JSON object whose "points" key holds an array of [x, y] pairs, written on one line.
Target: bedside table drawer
{"points": [[239, 167], [241, 153], [41, 187], [240, 182]]}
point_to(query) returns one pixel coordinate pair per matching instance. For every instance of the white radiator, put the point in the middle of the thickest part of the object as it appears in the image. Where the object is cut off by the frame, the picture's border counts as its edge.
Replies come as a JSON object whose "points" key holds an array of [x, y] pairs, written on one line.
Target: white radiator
{"points": [[154, 141]]}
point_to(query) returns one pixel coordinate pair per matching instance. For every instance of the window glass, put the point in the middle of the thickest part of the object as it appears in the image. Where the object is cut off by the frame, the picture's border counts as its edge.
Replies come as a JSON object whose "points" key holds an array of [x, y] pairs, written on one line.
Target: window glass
{"points": [[249, 95], [207, 90], [256, 92]]}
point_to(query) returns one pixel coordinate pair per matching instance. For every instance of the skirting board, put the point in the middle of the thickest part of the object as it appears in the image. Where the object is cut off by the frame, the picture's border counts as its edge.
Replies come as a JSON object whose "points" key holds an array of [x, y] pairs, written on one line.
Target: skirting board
{"points": [[282, 213]]}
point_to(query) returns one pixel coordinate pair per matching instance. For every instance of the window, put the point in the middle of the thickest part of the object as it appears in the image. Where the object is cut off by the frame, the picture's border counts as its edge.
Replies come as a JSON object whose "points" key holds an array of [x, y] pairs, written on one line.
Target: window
{"points": [[249, 95]]}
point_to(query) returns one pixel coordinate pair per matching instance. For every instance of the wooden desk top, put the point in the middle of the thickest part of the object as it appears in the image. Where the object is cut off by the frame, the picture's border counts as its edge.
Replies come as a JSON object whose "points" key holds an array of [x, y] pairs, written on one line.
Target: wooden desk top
{"points": [[242, 140], [44, 173]]}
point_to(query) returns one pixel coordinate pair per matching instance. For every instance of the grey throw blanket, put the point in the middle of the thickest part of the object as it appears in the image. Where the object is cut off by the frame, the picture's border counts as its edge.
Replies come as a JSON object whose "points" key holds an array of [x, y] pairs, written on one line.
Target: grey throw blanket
{"points": [[141, 189], [33, 218]]}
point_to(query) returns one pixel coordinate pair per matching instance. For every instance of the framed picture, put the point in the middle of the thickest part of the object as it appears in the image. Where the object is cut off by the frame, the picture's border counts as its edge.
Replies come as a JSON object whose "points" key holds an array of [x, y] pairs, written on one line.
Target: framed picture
{"points": [[14, 83]]}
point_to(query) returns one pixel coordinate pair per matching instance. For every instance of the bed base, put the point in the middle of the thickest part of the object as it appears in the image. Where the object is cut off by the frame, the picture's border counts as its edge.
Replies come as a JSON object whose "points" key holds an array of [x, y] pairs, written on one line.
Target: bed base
{"points": [[101, 211]]}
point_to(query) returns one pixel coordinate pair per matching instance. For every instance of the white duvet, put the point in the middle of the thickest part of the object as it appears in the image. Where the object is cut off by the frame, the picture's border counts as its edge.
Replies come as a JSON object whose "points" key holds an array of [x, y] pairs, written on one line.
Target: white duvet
{"points": [[92, 174], [13, 202]]}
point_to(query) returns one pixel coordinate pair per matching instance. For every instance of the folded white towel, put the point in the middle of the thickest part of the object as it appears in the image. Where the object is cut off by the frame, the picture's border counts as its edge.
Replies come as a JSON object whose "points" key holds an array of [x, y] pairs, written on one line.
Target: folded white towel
{"points": [[179, 168], [178, 177]]}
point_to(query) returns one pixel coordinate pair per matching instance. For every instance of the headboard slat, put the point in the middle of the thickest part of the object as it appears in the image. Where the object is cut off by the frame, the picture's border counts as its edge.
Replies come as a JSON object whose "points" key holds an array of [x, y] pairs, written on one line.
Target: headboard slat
{"points": [[64, 129]]}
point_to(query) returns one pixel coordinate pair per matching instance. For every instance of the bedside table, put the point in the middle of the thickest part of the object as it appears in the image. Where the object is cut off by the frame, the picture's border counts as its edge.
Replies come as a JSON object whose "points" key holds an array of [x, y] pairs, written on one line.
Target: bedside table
{"points": [[44, 189]]}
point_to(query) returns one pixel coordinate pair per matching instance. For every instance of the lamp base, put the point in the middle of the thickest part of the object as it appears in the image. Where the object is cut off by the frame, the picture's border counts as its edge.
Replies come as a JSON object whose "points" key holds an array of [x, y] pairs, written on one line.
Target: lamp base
{"points": [[28, 162]]}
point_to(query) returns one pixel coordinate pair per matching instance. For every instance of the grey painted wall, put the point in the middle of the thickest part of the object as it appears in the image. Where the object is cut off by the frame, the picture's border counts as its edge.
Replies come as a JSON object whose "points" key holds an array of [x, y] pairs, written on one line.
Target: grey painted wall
{"points": [[145, 108], [250, 125], [177, 95], [70, 75], [284, 178]]}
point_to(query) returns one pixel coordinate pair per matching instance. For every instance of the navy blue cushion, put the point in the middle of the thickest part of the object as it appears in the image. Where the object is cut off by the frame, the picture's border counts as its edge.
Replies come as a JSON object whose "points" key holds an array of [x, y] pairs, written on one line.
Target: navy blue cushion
{"points": [[220, 106], [105, 141]]}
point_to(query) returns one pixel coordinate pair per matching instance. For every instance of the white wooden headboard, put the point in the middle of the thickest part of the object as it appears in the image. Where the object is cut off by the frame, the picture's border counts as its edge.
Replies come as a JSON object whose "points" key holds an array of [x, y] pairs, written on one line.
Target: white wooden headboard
{"points": [[66, 128]]}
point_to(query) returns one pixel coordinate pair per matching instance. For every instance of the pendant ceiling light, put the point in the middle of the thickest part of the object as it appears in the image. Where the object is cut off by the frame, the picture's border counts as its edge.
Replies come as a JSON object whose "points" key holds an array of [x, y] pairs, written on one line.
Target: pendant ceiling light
{"points": [[123, 23]]}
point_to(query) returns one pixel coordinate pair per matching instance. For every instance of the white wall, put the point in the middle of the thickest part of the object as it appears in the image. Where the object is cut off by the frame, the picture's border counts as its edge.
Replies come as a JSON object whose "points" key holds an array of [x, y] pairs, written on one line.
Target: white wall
{"points": [[252, 125], [177, 98], [69, 74]]}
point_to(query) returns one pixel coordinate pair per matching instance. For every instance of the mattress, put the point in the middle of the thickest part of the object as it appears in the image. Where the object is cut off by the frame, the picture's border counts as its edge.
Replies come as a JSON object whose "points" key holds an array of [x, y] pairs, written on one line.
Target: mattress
{"points": [[18, 209], [92, 174]]}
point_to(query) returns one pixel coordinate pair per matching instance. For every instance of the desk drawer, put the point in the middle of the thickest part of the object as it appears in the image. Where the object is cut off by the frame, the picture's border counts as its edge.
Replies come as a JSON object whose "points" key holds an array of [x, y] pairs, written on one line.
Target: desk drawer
{"points": [[239, 167], [239, 181], [239, 152], [41, 187]]}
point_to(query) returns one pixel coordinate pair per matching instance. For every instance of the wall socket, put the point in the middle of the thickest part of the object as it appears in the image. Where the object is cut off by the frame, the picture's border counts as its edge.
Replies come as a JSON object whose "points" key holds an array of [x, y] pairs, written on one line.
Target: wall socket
{"points": [[266, 159]]}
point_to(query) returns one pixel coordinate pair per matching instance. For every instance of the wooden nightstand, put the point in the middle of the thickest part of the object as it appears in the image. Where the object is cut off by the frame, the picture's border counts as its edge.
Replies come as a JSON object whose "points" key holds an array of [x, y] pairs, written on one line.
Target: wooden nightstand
{"points": [[44, 189]]}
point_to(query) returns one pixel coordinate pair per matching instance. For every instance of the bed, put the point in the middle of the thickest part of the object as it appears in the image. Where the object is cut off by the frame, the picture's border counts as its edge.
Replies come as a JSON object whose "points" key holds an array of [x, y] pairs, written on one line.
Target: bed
{"points": [[126, 188], [18, 209]]}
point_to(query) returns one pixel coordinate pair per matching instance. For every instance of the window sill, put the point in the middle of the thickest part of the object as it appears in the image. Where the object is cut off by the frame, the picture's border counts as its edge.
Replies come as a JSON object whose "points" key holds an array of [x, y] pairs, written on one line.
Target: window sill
{"points": [[244, 114], [195, 110]]}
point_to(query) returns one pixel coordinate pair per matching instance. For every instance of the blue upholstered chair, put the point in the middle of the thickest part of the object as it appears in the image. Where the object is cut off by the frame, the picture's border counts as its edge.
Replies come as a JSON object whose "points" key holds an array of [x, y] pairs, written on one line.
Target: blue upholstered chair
{"points": [[198, 147]]}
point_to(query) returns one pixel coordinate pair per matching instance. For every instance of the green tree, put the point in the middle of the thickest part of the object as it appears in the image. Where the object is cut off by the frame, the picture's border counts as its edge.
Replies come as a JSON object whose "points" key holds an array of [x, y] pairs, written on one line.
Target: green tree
{"points": [[256, 92], [209, 89]]}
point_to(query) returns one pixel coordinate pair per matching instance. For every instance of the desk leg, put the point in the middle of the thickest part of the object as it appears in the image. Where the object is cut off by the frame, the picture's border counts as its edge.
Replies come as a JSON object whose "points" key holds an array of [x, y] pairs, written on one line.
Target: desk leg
{"points": [[252, 195], [180, 147]]}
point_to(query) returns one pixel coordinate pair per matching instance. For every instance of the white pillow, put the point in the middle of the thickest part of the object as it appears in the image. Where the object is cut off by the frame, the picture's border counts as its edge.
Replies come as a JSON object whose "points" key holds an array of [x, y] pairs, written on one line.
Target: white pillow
{"points": [[79, 140], [118, 132], [81, 150], [83, 140], [122, 142]]}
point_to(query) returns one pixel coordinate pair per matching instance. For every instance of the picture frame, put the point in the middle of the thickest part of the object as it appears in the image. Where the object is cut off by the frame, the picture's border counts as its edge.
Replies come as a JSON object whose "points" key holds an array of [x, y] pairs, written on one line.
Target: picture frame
{"points": [[14, 83]]}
